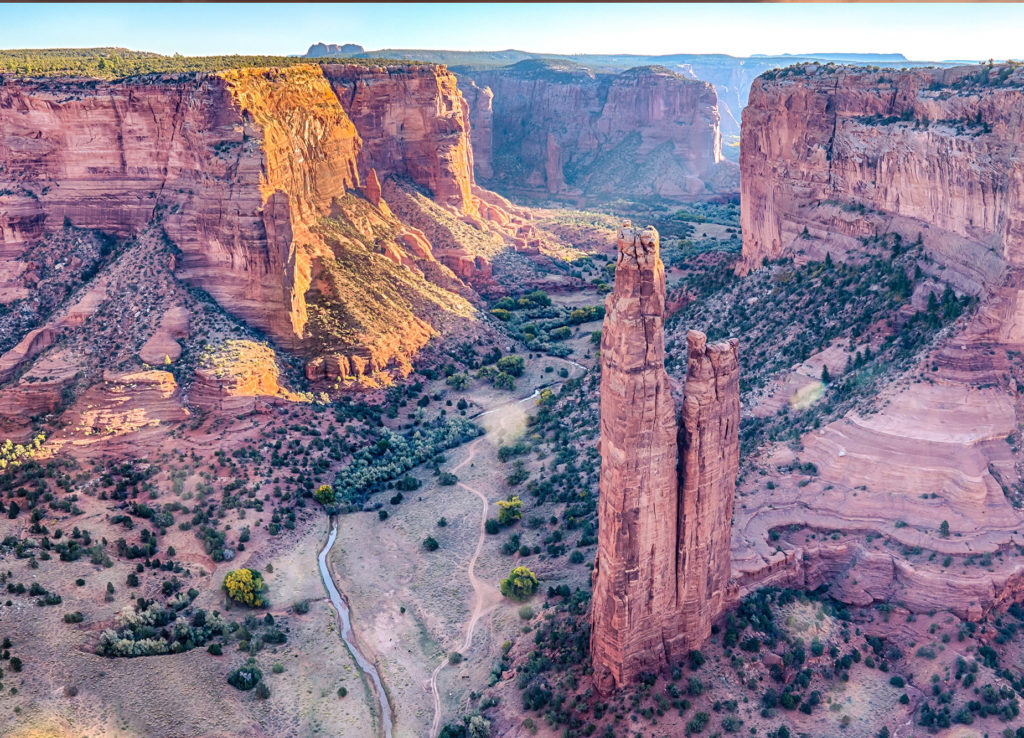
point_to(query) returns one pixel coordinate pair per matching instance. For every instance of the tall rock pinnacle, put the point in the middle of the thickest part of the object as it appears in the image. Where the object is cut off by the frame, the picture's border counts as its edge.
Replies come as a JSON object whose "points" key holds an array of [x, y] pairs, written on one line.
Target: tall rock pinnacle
{"points": [[634, 577], [663, 564]]}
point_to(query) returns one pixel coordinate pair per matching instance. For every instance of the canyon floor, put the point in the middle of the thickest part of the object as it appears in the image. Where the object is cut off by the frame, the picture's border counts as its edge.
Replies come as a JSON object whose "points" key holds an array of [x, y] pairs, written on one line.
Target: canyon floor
{"points": [[835, 497]]}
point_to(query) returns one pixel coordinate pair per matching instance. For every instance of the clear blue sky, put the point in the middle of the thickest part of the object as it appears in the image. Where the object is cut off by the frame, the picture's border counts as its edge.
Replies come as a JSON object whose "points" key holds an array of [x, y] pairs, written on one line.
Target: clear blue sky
{"points": [[923, 32]]}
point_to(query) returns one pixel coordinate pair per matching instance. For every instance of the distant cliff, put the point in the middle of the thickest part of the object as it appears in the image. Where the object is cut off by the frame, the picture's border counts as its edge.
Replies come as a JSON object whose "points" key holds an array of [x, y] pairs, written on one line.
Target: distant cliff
{"points": [[560, 130], [320, 50], [838, 153]]}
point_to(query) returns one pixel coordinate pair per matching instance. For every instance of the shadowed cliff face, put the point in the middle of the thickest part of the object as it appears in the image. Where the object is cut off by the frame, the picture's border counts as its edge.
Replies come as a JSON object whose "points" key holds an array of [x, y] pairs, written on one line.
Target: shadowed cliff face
{"points": [[830, 158], [560, 130], [838, 151], [663, 564]]}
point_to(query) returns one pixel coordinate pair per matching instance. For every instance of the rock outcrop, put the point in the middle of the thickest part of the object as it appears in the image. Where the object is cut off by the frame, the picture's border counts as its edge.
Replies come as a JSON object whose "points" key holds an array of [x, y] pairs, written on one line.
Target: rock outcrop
{"points": [[214, 155], [243, 169], [481, 119], [413, 123], [320, 50], [663, 562], [561, 130], [832, 153], [709, 459]]}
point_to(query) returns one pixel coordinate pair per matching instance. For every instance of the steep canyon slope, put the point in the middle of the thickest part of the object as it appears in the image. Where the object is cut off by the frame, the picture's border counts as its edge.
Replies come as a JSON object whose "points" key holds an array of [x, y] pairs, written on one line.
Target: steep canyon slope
{"points": [[267, 187], [832, 158]]}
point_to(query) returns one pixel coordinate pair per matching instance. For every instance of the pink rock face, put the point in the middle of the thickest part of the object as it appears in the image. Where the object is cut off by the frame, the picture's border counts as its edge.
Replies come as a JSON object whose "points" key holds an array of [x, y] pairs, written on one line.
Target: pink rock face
{"points": [[562, 127], [634, 576], [907, 144], [413, 124], [709, 453], [112, 155], [663, 562]]}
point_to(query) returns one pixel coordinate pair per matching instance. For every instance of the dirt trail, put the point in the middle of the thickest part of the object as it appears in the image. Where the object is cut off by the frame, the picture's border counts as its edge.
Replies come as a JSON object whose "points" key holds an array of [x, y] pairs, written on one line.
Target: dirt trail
{"points": [[485, 596]]}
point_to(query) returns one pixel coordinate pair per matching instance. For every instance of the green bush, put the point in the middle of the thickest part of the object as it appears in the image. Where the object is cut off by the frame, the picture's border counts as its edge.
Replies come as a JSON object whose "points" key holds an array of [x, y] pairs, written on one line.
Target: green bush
{"points": [[520, 584], [430, 543], [324, 495], [512, 364], [245, 677], [510, 510]]}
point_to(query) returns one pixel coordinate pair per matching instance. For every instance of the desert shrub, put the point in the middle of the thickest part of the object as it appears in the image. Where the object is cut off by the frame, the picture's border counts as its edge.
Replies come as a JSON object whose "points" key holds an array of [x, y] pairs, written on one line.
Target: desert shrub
{"points": [[520, 584], [408, 484], [447, 479], [492, 526], [394, 454], [73, 617], [245, 586], [510, 510], [512, 365], [300, 607], [245, 677], [505, 381], [324, 494], [430, 543]]}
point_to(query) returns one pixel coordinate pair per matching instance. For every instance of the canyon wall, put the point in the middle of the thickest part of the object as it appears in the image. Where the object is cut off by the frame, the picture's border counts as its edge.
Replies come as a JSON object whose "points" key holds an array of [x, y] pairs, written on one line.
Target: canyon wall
{"points": [[414, 123], [559, 130], [241, 168], [212, 155], [481, 117], [840, 152], [663, 563]]}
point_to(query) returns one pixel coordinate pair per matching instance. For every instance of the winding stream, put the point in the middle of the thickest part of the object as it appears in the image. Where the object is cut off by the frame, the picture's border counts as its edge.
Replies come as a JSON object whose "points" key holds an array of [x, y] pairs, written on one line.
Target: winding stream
{"points": [[346, 630]]}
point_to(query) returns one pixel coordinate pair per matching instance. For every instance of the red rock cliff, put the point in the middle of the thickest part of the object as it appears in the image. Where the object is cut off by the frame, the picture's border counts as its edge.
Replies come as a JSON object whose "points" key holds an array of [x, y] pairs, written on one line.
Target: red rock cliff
{"points": [[559, 129], [215, 155], [481, 118], [663, 562], [414, 123], [830, 149], [634, 576]]}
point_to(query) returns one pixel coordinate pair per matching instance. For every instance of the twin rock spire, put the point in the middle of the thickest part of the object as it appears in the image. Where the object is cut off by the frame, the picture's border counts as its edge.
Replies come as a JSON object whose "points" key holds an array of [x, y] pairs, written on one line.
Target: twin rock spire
{"points": [[663, 564]]}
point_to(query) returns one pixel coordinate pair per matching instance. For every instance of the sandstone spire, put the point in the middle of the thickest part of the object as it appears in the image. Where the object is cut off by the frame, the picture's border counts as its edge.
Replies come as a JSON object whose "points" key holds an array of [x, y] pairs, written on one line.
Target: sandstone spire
{"points": [[663, 565], [709, 458], [634, 577]]}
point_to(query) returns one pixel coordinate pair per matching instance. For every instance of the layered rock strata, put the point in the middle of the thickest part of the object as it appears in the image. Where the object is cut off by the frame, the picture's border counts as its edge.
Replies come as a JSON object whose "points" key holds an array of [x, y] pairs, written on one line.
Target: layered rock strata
{"points": [[831, 157], [832, 152], [414, 123], [213, 155], [242, 168], [560, 130], [662, 567]]}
